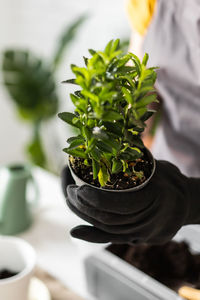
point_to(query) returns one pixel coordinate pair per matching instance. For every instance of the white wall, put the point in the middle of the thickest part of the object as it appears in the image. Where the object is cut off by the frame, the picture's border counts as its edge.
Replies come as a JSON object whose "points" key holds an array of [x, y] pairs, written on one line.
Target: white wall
{"points": [[35, 24]]}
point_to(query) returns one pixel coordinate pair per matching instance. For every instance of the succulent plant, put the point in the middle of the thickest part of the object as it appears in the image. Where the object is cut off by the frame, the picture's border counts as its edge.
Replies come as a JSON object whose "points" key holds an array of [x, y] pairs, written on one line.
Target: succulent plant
{"points": [[111, 107]]}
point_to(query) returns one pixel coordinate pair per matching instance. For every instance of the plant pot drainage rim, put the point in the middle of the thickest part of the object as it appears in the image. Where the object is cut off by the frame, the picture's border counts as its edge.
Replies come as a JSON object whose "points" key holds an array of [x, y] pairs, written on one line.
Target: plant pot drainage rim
{"points": [[80, 182]]}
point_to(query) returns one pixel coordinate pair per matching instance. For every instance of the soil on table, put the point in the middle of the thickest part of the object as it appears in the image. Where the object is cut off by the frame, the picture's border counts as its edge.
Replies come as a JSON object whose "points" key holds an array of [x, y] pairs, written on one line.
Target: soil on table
{"points": [[117, 181], [5, 273], [173, 263]]}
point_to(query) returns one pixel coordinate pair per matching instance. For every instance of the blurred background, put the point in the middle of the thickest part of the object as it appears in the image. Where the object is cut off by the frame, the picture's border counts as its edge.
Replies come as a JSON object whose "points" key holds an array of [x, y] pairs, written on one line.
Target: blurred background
{"points": [[39, 41]]}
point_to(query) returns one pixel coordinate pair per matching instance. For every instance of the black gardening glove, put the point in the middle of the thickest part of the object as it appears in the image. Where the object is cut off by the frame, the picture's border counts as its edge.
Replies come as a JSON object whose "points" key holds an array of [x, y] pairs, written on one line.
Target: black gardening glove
{"points": [[153, 214], [66, 179]]}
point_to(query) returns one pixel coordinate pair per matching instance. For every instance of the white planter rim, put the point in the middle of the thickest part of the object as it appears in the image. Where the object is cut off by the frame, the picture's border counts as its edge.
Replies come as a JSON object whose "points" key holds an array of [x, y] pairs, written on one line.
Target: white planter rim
{"points": [[30, 265]]}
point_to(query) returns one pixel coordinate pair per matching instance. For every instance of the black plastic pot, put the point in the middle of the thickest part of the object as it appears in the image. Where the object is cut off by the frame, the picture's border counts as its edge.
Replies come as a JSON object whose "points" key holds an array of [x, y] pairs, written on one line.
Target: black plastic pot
{"points": [[80, 182]]}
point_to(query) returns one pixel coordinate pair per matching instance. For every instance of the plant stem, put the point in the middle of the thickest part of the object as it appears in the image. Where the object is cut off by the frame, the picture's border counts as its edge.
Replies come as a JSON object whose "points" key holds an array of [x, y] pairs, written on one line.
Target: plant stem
{"points": [[35, 149]]}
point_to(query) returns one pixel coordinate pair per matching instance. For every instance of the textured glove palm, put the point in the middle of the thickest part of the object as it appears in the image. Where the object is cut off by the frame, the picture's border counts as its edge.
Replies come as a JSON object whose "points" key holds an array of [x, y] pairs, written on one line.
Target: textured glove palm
{"points": [[153, 214]]}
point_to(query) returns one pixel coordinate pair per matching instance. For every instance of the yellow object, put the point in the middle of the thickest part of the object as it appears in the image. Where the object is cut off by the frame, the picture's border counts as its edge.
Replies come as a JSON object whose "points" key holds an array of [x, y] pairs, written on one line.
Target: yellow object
{"points": [[189, 293], [140, 13]]}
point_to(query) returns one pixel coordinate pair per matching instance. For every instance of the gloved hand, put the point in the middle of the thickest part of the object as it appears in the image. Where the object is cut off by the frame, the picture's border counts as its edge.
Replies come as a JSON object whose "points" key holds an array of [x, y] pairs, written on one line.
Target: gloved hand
{"points": [[153, 214], [66, 179]]}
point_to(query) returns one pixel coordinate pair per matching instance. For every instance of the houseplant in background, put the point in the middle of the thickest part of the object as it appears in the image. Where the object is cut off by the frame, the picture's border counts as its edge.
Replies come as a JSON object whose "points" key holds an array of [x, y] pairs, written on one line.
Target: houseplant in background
{"points": [[30, 81], [110, 113]]}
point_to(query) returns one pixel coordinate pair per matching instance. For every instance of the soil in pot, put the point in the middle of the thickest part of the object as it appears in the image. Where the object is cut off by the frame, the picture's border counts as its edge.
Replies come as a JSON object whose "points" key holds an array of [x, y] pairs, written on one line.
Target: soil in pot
{"points": [[173, 263], [143, 167], [5, 273]]}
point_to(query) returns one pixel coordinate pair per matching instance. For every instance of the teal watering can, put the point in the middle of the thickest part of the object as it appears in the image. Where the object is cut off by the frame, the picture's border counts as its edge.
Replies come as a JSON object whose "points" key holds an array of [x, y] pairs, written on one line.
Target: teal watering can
{"points": [[15, 206]]}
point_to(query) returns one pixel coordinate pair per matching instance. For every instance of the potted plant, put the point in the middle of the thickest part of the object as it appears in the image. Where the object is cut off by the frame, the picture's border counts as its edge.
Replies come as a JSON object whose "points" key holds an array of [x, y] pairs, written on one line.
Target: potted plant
{"points": [[111, 107]]}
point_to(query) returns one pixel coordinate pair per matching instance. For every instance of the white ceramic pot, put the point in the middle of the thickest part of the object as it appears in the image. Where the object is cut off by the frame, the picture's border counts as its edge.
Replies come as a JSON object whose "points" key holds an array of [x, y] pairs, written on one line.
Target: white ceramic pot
{"points": [[18, 256], [80, 182]]}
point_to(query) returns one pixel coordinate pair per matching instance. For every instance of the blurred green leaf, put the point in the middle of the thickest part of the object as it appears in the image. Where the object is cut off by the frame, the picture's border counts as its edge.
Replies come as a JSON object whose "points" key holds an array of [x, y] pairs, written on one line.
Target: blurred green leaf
{"points": [[66, 38], [30, 84]]}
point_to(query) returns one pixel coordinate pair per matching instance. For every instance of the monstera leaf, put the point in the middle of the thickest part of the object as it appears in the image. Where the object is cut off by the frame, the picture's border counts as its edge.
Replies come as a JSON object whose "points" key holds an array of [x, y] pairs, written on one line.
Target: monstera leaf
{"points": [[30, 84]]}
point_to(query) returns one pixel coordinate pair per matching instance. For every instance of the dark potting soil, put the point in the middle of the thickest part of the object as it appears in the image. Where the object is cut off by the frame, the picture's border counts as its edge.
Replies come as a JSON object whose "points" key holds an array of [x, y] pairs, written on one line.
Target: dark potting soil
{"points": [[172, 263], [4, 273], [117, 181]]}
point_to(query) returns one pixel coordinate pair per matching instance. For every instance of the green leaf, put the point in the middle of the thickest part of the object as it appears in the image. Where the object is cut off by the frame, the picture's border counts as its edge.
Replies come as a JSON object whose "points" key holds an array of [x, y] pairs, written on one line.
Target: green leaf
{"points": [[136, 62], [72, 81], [73, 138], [115, 54], [127, 95], [104, 147], [76, 122], [99, 133], [96, 154], [146, 100], [86, 132], [91, 123], [85, 60], [145, 59], [86, 162], [133, 139], [116, 165], [123, 60], [103, 175], [78, 93], [112, 116], [95, 168], [76, 142], [115, 45], [137, 141], [75, 99], [114, 128], [108, 48], [143, 91], [123, 70], [115, 145], [131, 154], [147, 115], [90, 95], [79, 103], [141, 111], [91, 51], [83, 72], [76, 152], [68, 118], [125, 165], [129, 81]]}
